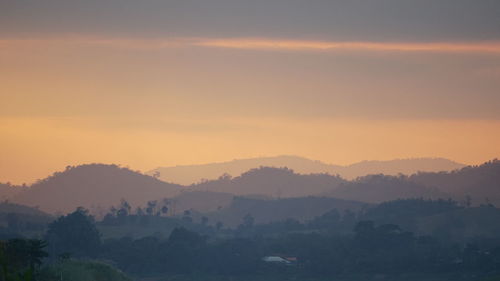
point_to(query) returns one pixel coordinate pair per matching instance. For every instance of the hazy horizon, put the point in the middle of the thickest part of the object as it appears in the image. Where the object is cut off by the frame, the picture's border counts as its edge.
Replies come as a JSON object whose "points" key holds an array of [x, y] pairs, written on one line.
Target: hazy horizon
{"points": [[250, 140], [229, 161], [165, 83]]}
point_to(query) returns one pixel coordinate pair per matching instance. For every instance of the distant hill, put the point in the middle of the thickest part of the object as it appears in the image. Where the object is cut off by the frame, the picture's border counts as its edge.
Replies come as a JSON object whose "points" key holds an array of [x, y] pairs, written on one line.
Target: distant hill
{"points": [[201, 201], [285, 183], [99, 186], [463, 224], [94, 186], [481, 183], [8, 207], [272, 182], [399, 166], [195, 173], [270, 210], [445, 219], [8, 190], [15, 218], [380, 188]]}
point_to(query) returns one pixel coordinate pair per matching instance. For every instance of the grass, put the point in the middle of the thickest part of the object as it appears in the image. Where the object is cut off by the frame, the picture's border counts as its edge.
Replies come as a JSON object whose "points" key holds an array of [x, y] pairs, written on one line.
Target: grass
{"points": [[79, 270]]}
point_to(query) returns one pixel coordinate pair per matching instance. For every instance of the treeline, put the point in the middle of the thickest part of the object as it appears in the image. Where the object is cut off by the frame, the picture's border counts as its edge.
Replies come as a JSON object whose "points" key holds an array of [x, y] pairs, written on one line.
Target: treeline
{"points": [[371, 249], [368, 242], [318, 247], [20, 259]]}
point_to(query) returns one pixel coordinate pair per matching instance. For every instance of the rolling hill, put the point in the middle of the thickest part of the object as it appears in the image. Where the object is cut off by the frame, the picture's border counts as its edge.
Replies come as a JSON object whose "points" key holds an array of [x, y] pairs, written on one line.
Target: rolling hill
{"points": [[190, 174], [94, 186], [481, 183], [380, 188], [265, 211], [272, 182], [99, 186], [8, 190], [16, 219]]}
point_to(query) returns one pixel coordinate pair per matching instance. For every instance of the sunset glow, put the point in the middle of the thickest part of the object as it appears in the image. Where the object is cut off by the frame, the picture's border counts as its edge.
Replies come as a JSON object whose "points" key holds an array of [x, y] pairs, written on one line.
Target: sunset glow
{"points": [[257, 44], [272, 44], [340, 83]]}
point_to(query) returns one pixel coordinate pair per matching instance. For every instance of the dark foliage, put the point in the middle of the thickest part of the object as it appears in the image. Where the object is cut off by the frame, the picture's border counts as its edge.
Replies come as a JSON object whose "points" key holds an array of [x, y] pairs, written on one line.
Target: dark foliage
{"points": [[74, 233]]}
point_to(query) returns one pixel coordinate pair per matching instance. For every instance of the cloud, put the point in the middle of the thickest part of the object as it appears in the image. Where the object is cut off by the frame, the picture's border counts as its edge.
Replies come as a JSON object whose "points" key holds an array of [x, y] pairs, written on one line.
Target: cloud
{"points": [[263, 44], [274, 44]]}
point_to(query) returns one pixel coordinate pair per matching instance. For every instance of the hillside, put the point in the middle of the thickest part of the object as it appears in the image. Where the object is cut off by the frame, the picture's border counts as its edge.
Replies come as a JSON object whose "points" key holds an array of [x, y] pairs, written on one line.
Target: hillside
{"points": [[380, 188], [462, 224], [99, 186], [481, 183], [190, 174], [94, 186], [15, 219], [201, 201], [8, 190], [264, 211], [273, 182], [399, 166], [82, 270]]}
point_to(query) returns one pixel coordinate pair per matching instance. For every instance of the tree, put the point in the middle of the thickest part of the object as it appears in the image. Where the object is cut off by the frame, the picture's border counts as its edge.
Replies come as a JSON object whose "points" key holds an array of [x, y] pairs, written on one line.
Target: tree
{"points": [[36, 253], [124, 208], [20, 259], [75, 233], [164, 210], [13, 221], [187, 216], [219, 225], [248, 221], [151, 207], [184, 250], [139, 211]]}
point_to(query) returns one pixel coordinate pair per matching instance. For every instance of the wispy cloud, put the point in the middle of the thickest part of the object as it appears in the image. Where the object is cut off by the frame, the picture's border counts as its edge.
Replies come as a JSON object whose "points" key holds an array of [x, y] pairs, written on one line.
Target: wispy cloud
{"points": [[304, 45], [263, 44]]}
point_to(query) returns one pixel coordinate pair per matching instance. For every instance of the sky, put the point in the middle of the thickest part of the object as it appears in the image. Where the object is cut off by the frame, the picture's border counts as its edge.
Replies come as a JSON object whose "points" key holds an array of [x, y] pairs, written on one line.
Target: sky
{"points": [[159, 83]]}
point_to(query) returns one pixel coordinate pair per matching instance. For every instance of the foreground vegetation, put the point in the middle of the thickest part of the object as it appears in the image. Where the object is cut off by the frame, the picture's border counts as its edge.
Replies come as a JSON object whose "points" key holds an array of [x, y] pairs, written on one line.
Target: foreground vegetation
{"points": [[411, 239], [81, 270]]}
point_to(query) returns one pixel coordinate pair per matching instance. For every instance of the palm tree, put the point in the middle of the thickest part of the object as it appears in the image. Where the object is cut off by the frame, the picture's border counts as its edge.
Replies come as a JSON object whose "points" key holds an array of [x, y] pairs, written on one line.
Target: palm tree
{"points": [[36, 252]]}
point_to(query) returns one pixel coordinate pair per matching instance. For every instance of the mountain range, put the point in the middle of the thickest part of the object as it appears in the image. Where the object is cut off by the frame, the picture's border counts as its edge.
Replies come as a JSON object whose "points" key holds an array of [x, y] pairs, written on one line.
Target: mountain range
{"points": [[99, 186], [190, 174]]}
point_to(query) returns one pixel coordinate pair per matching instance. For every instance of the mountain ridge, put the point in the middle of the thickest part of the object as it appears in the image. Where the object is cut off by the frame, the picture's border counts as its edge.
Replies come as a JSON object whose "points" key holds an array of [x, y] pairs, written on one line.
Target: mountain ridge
{"points": [[94, 186], [99, 186], [190, 174]]}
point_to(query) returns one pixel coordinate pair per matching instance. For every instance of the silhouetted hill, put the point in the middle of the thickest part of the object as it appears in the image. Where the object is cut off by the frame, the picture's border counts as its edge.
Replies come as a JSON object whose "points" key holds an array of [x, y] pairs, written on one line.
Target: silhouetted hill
{"points": [[201, 201], [99, 186], [380, 188], [446, 219], [8, 207], [408, 212], [399, 166], [94, 186], [15, 219], [463, 224], [481, 183], [273, 182], [283, 182], [7, 190], [264, 211], [194, 173]]}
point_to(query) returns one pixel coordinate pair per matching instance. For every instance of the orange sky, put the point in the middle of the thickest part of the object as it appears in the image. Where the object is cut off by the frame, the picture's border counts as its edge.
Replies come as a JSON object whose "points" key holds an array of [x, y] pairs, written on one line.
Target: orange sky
{"points": [[158, 102], [35, 147]]}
